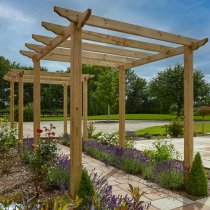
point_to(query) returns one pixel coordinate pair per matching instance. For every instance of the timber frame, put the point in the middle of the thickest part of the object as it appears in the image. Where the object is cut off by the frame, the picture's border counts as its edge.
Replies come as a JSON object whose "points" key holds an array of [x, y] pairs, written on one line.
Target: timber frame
{"points": [[69, 46], [51, 78]]}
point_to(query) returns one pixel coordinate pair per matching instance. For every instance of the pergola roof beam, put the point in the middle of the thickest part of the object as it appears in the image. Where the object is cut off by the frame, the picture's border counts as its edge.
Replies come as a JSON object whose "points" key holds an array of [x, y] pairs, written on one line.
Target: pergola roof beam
{"points": [[160, 56], [95, 47], [123, 27], [47, 74], [85, 54], [109, 39], [63, 58]]}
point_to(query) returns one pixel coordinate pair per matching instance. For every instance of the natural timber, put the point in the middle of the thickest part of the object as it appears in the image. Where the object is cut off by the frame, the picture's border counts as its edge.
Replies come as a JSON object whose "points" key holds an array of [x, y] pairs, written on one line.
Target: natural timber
{"points": [[110, 39], [85, 109], [123, 27], [85, 54], [62, 58], [188, 106], [36, 99], [20, 110], [55, 42], [122, 107], [65, 102], [12, 103], [76, 110], [95, 47], [161, 56]]}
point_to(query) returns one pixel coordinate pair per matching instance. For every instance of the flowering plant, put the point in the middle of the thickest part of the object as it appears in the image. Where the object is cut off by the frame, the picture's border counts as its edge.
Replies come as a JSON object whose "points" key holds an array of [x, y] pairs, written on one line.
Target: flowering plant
{"points": [[91, 129], [108, 138]]}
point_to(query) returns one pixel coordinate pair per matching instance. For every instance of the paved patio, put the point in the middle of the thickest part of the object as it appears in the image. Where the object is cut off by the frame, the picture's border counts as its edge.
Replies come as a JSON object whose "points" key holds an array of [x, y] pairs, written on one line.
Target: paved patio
{"points": [[160, 198], [100, 126]]}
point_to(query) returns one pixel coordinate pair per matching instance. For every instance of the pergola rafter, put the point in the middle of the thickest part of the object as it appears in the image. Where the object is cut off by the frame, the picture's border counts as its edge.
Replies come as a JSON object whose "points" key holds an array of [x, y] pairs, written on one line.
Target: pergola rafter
{"points": [[111, 51], [94, 47]]}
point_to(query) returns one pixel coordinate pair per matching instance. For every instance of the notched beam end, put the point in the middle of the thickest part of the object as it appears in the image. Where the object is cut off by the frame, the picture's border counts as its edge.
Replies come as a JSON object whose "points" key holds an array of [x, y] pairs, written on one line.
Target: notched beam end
{"points": [[83, 19], [200, 43]]}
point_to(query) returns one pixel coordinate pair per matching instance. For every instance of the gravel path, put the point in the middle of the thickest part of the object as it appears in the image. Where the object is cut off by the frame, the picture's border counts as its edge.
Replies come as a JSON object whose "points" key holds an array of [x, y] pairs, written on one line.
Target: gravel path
{"points": [[113, 126]]}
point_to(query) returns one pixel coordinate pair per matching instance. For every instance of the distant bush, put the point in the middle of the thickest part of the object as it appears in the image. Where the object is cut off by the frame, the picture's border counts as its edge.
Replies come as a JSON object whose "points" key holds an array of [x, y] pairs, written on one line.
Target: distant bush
{"points": [[197, 183], [175, 128], [173, 109], [27, 113]]}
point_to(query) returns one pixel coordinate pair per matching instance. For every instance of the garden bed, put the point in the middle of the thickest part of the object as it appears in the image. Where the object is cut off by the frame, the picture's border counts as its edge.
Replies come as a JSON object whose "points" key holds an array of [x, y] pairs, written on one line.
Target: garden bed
{"points": [[168, 174], [17, 178]]}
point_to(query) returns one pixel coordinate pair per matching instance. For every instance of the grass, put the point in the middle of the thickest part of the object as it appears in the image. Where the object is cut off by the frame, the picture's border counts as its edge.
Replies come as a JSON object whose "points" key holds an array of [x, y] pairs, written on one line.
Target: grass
{"points": [[164, 117], [161, 130]]}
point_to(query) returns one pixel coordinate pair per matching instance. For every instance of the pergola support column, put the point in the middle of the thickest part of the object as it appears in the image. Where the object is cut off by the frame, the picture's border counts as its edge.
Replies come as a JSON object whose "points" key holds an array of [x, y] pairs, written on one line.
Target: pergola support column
{"points": [[85, 109], [36, 99], [188, 106], [65, 107], [12, 103], [122, 106], [20, 110], [76, 109]]}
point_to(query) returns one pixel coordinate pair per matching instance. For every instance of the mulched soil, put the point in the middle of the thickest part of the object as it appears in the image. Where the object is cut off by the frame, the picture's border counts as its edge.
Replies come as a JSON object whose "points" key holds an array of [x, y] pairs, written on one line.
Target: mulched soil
{"points": [[18, 178]]}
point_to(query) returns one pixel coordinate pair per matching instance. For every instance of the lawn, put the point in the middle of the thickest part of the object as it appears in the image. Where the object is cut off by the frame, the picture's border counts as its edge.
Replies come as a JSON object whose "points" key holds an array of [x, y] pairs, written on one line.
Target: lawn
{"points": [[127, 117], [161, 130]]}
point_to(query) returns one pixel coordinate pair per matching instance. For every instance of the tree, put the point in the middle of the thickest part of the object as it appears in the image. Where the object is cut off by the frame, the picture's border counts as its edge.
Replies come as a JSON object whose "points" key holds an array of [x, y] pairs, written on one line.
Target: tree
{"points": [[136, 93], [168, 87], [107, 89], [5, 66]]}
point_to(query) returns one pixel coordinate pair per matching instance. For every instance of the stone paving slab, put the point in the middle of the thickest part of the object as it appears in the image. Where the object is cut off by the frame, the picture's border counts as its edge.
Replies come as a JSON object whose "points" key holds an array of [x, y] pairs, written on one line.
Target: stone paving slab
{"points": [[160, 198]]}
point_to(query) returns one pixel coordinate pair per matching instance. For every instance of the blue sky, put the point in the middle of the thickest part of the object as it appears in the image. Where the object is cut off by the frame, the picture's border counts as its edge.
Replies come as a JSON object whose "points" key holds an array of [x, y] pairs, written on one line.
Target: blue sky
{"points": [[21, 18]]}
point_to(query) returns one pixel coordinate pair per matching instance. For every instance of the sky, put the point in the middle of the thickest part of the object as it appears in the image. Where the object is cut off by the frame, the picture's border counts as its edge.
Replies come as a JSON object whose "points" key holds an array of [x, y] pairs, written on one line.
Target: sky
{"points": [[19, 19]]}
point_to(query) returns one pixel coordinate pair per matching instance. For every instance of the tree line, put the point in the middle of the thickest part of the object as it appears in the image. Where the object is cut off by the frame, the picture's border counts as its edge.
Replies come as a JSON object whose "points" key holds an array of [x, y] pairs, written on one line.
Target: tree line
{"points": [[162, 94]]}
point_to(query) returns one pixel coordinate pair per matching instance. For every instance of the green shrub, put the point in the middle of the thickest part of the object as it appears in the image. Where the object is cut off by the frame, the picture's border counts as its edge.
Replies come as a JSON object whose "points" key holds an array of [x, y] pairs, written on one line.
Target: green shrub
{"points": [[173, 109], [132, 166], [108, 138], [40, 161], [170, 179], [86, 189], [56, 177], [163, 151], [27, 113], [96, 135], [66, 139], [197, 183], [175, 128]]}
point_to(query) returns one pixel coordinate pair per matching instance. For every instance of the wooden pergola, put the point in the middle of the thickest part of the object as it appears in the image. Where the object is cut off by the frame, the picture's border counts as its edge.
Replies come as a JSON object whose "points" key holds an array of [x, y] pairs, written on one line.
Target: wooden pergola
{"points": [[74, 45], [53, 78]]}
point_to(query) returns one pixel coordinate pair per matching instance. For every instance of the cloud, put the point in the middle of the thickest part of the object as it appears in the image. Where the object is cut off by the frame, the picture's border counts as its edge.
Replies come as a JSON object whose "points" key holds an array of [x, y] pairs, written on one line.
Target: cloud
{"points": [[11, 14]]}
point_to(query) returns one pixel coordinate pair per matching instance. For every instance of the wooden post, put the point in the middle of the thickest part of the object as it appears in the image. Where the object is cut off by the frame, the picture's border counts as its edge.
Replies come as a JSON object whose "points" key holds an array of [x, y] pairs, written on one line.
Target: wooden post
{"points": [[36, 99], [12, 103], [65, 108], [85, 110], [20, 110], [76, 110], [188, 106], [122, 106]]}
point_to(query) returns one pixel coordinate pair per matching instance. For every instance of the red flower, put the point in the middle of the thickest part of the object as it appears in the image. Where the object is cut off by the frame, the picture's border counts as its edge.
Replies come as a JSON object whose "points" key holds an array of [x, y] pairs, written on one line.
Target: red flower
{"points": [[39, 130]]}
